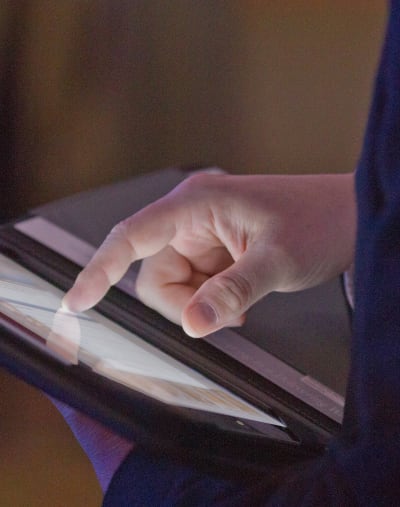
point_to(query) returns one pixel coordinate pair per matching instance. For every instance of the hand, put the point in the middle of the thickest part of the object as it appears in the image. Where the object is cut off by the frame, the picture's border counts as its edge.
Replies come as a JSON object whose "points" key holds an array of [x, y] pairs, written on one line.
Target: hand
{"points": [[218, 243]]}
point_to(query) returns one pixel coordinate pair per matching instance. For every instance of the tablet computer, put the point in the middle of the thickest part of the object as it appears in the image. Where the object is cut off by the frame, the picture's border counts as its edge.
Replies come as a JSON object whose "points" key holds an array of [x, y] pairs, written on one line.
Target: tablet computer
{"points": [[140, 375]]}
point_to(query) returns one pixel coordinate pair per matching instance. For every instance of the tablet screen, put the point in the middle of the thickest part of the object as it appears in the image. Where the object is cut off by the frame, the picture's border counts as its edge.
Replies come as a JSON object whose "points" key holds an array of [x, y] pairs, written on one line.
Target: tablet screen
{"points": [[109, 349]]}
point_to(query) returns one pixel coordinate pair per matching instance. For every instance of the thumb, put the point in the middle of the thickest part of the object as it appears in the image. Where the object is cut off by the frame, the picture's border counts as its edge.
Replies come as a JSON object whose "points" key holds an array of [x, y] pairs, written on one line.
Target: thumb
{"points": [[226, 296]]}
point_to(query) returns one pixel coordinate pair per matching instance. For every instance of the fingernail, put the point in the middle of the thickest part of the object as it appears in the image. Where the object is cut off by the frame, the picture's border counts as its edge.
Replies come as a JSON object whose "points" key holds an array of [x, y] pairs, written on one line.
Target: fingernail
{"points": [[203, 319]]}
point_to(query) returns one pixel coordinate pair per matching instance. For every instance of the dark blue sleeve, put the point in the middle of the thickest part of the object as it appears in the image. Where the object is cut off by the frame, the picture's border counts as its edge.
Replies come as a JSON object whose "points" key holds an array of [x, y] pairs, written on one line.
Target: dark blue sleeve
{"points": [[362, 466]]}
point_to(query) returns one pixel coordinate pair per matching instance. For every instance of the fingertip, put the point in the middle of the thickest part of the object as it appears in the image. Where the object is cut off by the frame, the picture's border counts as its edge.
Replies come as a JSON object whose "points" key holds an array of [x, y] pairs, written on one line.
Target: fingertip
{"points": [[73, 301], [80, 297], [199, 319], [65, 305], [89, 288]]}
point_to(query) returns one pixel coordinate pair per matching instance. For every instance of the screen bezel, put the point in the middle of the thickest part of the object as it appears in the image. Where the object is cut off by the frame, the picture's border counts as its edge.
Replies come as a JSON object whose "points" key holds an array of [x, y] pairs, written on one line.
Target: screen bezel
{"points": [[32, 307]]}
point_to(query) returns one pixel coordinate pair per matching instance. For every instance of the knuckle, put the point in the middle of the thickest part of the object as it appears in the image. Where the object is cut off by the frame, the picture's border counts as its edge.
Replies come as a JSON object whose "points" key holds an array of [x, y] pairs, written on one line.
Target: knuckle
{"points": [[120, 236], [142, 293], [198, 182], [143, 286], [235, 292], [121, 229]]}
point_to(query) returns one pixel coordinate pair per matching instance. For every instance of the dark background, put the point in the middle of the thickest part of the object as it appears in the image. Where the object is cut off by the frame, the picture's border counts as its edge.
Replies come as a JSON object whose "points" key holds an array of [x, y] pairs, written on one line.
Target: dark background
{"points": [[95, 91]]}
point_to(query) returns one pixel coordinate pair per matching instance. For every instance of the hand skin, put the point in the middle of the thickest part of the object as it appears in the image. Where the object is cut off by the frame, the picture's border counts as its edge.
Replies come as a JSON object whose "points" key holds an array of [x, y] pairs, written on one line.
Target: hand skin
{"points": [[211, 248], [218, 243]]}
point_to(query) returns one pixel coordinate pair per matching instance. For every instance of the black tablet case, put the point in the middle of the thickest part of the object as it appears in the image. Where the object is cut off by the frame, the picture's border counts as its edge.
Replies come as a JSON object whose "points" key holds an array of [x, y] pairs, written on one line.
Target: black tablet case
{"points": [[307, 330]]}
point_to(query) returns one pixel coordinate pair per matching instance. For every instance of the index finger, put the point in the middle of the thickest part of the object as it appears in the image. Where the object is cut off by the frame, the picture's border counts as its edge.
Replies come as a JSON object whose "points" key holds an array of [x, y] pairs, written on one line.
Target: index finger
{"points": [[143, 234]]}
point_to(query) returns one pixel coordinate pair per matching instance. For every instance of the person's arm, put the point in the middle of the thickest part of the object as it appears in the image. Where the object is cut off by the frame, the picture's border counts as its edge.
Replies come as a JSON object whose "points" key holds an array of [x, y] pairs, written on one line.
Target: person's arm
{"points": [[361, 467], [227, 241]]}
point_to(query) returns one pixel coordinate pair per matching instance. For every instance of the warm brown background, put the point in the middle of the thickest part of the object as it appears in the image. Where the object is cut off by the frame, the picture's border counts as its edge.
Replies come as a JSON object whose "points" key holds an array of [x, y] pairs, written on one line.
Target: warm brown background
{"points": [[93, 91]]}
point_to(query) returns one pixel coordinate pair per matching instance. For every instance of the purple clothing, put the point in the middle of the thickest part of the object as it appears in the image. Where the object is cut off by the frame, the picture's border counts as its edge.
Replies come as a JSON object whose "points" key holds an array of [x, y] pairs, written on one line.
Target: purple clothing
{"points": [[362, 465]]}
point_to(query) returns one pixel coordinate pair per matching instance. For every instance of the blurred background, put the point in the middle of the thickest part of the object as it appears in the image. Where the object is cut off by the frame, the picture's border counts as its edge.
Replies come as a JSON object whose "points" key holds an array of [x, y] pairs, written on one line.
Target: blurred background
{"points": [[99, 90]]}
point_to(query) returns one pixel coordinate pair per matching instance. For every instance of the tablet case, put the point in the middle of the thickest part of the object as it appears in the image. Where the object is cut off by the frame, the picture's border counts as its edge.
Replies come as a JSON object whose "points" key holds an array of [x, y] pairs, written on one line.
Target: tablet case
{"points": [[302, 329]]}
